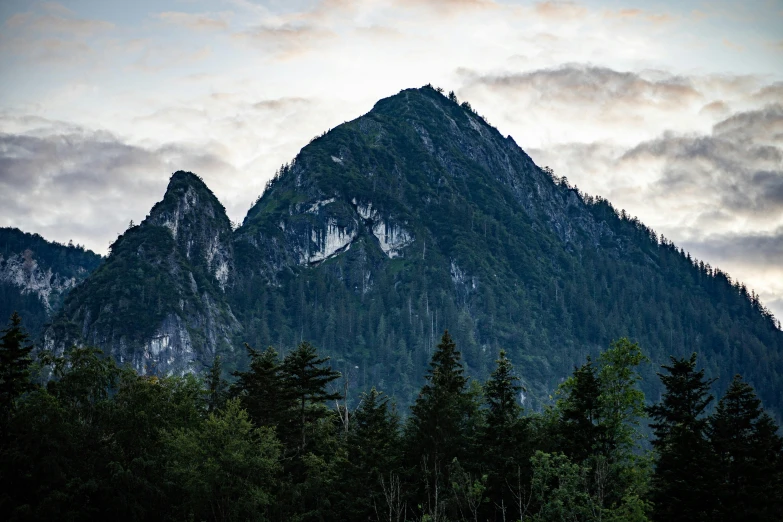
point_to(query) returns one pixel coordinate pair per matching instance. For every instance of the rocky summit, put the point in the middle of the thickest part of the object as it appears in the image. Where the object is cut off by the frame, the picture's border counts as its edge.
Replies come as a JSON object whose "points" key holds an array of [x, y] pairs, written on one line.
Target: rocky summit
{"points": [[158, 302], [414, 218]]}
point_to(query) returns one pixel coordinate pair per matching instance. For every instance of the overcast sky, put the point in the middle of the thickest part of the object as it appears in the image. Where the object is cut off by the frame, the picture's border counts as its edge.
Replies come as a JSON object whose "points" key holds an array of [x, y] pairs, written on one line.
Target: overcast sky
{"points": [[671, 110]]}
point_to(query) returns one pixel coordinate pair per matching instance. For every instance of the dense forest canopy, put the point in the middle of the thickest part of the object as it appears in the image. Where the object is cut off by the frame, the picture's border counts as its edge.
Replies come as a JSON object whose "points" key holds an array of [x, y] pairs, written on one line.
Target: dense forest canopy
{"points": [[82, 438]]}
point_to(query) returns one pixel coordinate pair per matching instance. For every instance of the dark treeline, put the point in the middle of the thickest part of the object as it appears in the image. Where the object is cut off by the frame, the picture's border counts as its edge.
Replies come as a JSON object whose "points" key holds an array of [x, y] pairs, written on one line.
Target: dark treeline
{"points": [[84, 439]]}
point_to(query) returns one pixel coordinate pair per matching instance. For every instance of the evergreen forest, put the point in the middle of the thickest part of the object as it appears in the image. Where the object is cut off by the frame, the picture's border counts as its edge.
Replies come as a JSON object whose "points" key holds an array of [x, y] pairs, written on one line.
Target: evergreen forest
{"points": [[82, 438]]}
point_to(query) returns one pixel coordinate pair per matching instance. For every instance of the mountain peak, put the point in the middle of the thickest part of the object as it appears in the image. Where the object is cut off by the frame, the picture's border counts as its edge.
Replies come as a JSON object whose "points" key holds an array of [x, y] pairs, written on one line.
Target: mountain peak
{"points": [[189, 201], [186, 178]]}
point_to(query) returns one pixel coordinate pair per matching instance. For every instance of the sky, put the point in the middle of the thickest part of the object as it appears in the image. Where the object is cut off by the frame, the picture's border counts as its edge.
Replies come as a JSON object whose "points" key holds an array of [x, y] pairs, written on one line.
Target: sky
{"points": [[673, 111]]}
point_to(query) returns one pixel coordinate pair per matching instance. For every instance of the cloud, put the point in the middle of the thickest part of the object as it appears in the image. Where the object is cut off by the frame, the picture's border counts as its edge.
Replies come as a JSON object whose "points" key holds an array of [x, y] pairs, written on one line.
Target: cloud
{"points": [[448, 6], [584, 103], [197, 21], [56, 19], [732, 45], [155, 59], [753, 258], [580, 84], [640, 15], [559, 10], [87, 185], [753, 248], [52, 35], [286, 41]]}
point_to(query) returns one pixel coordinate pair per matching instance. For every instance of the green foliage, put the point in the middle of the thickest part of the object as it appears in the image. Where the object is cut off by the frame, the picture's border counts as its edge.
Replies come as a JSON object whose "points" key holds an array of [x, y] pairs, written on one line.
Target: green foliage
{"points": [[559, 489], [373, 457], [749, 457], [579, 429], [102, 442], [306, 381], [225, 468], [262, 390], [441, 427], [15, 364], [621, 402], [217, 387], [684, 485], [504, 440]]}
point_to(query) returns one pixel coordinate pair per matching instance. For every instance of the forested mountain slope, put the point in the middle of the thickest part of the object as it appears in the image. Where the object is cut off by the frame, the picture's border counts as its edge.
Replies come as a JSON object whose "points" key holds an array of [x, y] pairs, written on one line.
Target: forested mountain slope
{"points": [[420, 216], [36, 274], [384, 231], [158, 302]]}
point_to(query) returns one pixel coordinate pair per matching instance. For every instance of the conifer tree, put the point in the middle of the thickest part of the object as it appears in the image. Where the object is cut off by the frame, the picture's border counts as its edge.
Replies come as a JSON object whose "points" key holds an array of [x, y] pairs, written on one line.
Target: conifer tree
{"points": [[15, 363], [262, 390], [749, 457], [579, 428], [437, 415], [506, 453], [437, 429], [683, 486], [305, 380], [216, 385], [372, 462]]}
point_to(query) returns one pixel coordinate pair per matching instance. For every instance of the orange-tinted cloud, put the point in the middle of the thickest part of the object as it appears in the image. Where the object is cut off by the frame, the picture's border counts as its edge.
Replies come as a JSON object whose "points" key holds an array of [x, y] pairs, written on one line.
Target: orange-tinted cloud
{"points": [[286, 41], [197, 21], [559, 10]]}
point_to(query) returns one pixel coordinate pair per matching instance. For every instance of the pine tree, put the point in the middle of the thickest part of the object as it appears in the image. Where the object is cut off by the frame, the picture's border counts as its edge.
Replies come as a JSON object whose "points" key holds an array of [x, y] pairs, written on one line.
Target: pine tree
{"points": [[506, 452], [216, 386], [305, 380], [683, 483], [15, 363], [262, 391], [749, 457], [372, 463], [579, 429], [437, 430]]}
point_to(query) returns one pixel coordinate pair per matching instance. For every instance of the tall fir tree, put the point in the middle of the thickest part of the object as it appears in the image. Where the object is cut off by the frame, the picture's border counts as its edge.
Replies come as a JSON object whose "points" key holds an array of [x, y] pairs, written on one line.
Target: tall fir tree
{"points": [[749, 457], [15, 361], [438, 428], [263, 392], [371, 471], [683, 485], [578, 426], [306, 379], [217, 387], [505, 446]]}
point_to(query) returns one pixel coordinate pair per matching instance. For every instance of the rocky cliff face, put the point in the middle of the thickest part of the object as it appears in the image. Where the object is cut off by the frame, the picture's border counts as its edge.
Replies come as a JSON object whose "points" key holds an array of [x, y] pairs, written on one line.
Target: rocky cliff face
{"points": [[24, 272], [159, 303], [35, 275]]}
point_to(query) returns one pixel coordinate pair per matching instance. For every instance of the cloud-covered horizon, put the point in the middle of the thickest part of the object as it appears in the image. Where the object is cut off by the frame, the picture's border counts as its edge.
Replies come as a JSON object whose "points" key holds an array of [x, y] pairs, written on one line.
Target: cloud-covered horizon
{"points": [[673, 112]]}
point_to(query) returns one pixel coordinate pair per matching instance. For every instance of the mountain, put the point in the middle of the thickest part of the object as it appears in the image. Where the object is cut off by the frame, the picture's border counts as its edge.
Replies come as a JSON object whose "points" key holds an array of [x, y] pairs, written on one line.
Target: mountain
{"points": [[36, 274], [159, 302], [417, 217]]}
